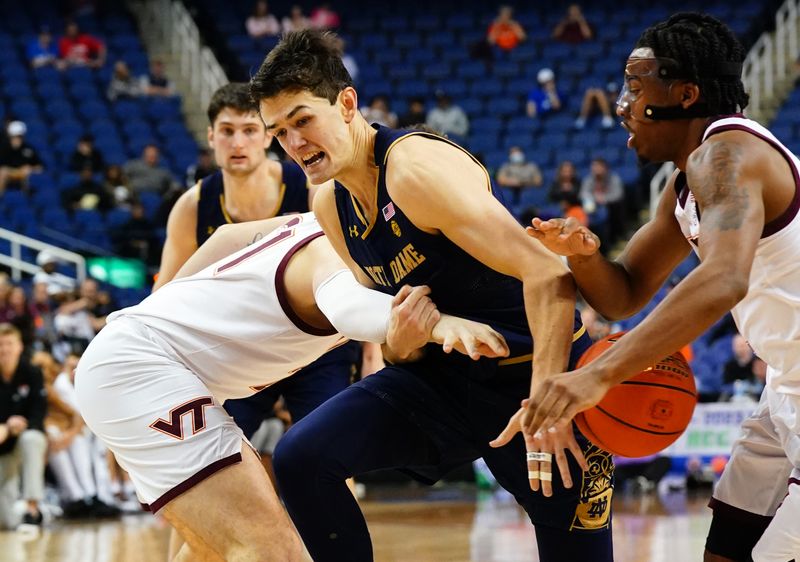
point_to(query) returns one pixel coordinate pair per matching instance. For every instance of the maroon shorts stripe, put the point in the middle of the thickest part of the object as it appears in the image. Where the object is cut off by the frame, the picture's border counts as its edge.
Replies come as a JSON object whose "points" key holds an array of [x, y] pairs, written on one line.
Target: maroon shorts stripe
{"points": [[192, 481]]}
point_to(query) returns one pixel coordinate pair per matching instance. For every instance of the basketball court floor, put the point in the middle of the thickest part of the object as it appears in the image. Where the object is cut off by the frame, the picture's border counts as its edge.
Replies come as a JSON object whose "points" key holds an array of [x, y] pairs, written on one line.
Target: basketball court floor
{"points": [[450, 523]]}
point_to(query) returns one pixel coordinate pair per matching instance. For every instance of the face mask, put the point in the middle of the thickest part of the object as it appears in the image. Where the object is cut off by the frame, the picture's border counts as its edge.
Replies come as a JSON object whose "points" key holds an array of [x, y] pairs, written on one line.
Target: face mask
{"points": [[516, 158]]}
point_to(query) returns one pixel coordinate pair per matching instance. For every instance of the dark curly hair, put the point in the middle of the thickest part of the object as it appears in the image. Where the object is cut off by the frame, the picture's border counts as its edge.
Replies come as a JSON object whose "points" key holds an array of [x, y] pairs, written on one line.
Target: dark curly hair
{"points": [[700, 43], [303, 60]]}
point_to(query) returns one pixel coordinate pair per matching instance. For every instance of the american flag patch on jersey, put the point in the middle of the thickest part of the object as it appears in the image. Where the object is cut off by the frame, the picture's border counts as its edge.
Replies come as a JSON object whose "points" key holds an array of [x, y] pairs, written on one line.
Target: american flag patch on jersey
{"points": [[388, 212]]}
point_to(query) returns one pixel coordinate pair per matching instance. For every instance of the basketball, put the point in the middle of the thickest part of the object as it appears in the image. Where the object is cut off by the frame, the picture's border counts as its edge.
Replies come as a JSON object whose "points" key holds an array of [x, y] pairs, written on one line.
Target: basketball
{"points": [[644, 414]]}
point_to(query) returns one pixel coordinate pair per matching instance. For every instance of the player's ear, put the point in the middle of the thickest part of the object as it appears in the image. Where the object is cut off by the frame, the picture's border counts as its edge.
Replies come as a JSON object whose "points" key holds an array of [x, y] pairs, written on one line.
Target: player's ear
{"points": [[210, 137], [690, 93], [348, 103]]}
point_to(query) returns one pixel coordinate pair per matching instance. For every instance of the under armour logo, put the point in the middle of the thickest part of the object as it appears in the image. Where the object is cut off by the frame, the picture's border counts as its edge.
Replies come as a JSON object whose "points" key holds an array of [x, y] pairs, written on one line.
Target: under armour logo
{"points": [[174, 427], [353, 231]]}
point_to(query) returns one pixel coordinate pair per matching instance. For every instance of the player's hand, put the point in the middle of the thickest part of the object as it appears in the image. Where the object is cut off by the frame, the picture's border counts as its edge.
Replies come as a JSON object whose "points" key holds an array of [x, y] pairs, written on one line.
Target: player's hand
{"points": [[545, 447], [411, 321], [565, 237], [556, 399], [470, 338]]}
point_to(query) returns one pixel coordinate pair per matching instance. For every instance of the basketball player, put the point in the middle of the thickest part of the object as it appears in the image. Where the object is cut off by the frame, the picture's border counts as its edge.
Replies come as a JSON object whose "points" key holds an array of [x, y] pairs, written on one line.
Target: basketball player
{"points": [[249, 186], [412, 207], [151, 384], [734, 201]]}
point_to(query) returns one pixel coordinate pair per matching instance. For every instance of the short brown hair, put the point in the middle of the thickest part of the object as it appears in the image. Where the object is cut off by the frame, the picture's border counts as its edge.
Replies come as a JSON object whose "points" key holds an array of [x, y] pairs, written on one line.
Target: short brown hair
{"points": [[303, 60], [7, 329], [235, 95]]}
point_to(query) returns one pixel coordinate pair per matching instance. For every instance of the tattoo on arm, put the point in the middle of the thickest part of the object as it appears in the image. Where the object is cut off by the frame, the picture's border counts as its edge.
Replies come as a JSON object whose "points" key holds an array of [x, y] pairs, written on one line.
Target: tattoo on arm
{"points": [[718, 188], [256, 238]]}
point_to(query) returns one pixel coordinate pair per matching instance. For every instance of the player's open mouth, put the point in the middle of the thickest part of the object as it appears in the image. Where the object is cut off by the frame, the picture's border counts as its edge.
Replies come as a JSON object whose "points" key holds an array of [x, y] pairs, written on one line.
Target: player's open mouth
{"points": [[630, 133], [238, 158], [313, 159]]}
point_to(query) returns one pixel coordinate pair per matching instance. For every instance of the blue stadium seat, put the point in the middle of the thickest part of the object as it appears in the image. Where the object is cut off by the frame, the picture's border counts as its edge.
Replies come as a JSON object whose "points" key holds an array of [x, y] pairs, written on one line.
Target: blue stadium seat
{"points": [[125, 110], [25, 109], [436, 71], [117, 217], [374, 42], [17, 89], [427, 22], [472, 69], [402, 71], [486, 88], [407, 40], [507, 106], [460, 21], [523, 140], [421, 55], [393, 23], [472, 106], [412, 88], [388, 57], [440, 39], [163, 108], [506, 69], [491, 125], [92, 109]]}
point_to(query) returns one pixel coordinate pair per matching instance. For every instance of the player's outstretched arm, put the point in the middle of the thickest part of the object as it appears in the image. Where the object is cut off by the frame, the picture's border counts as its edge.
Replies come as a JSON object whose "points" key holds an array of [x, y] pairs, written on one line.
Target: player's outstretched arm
{"points": [[618, 289], [727, 178]]}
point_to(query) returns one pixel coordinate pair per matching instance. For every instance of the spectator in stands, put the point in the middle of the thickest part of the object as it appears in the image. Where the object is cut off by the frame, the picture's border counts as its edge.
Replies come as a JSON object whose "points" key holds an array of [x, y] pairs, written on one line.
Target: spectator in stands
{"points": [[18, 160], [505, 33], [447, 118], [123, 84], [136, 238], [156, 83], [603, 189], [115, 182], [145, 173], [87, 155], [324, 17], [518, 174], [740, 366], [87, 194], [295, 21], [566, 181], [42, 51], [416, 114], [205, 166], [378, 112], [597, 327], [23, 444], [546, 97], [348, 60], [573, 27], [261, 23], [81, 49], [57, 283], [42, 308], [571, 207], [70, 443], [77, 321], [17, 313], [603, 100]]}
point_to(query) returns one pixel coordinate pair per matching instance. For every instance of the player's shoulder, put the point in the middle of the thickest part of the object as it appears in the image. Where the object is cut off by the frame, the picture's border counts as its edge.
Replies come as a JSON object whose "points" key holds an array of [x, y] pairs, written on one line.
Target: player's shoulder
{"points": [[185, 208]]}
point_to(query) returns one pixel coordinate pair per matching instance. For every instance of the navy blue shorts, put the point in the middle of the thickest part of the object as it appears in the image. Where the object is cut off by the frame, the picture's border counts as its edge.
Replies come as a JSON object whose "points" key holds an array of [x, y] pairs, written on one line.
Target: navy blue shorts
{"points": [[303, 391], [462, 405]]}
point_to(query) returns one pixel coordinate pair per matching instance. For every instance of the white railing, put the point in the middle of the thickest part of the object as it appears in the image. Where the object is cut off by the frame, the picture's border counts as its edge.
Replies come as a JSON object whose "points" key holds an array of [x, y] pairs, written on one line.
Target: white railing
{"points": [[19, 266], [657, 185], [178, 34]]}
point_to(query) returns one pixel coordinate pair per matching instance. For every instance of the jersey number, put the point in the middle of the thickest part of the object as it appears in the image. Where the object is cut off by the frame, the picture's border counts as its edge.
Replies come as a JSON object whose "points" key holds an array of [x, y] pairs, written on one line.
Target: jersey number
{"points": [[284, 232]]}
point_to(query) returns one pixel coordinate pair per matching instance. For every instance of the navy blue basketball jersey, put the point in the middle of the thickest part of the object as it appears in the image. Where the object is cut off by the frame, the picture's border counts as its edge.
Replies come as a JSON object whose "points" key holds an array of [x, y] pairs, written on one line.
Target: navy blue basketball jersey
{"points": [[211, 212], [393, 252]]}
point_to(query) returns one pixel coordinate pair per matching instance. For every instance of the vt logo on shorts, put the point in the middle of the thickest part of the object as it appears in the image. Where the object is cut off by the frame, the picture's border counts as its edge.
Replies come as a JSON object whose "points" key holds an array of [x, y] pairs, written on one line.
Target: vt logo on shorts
{"points": [[174, 427]]}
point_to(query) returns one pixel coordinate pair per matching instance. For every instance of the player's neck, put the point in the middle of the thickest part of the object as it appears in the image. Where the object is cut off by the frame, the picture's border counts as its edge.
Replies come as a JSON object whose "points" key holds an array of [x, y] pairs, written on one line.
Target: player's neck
{"points": [[360, 175], [692, 139]]}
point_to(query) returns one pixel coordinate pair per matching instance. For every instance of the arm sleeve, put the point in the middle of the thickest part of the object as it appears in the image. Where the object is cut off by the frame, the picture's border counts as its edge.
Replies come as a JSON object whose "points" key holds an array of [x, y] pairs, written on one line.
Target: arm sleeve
{"points": [[356, 312]]}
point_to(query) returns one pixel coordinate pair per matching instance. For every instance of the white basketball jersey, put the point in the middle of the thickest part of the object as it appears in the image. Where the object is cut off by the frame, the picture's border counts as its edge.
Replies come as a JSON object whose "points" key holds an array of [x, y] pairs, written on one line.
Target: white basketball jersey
{"points": [[769, 315], [231, 323]]}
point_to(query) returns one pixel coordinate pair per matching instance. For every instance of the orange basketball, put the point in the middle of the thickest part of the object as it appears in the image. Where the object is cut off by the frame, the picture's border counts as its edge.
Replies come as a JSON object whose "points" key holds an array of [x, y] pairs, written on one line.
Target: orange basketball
{"points": [[644, 414]]}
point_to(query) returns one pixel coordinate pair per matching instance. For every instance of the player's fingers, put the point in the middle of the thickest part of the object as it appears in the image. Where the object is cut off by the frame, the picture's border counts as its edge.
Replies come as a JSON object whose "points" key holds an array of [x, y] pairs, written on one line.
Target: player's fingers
{"points": [[576, 451], [535, 232], [450, 341], [563, 467], [494, 341], [401, 295], [508, 433]]}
